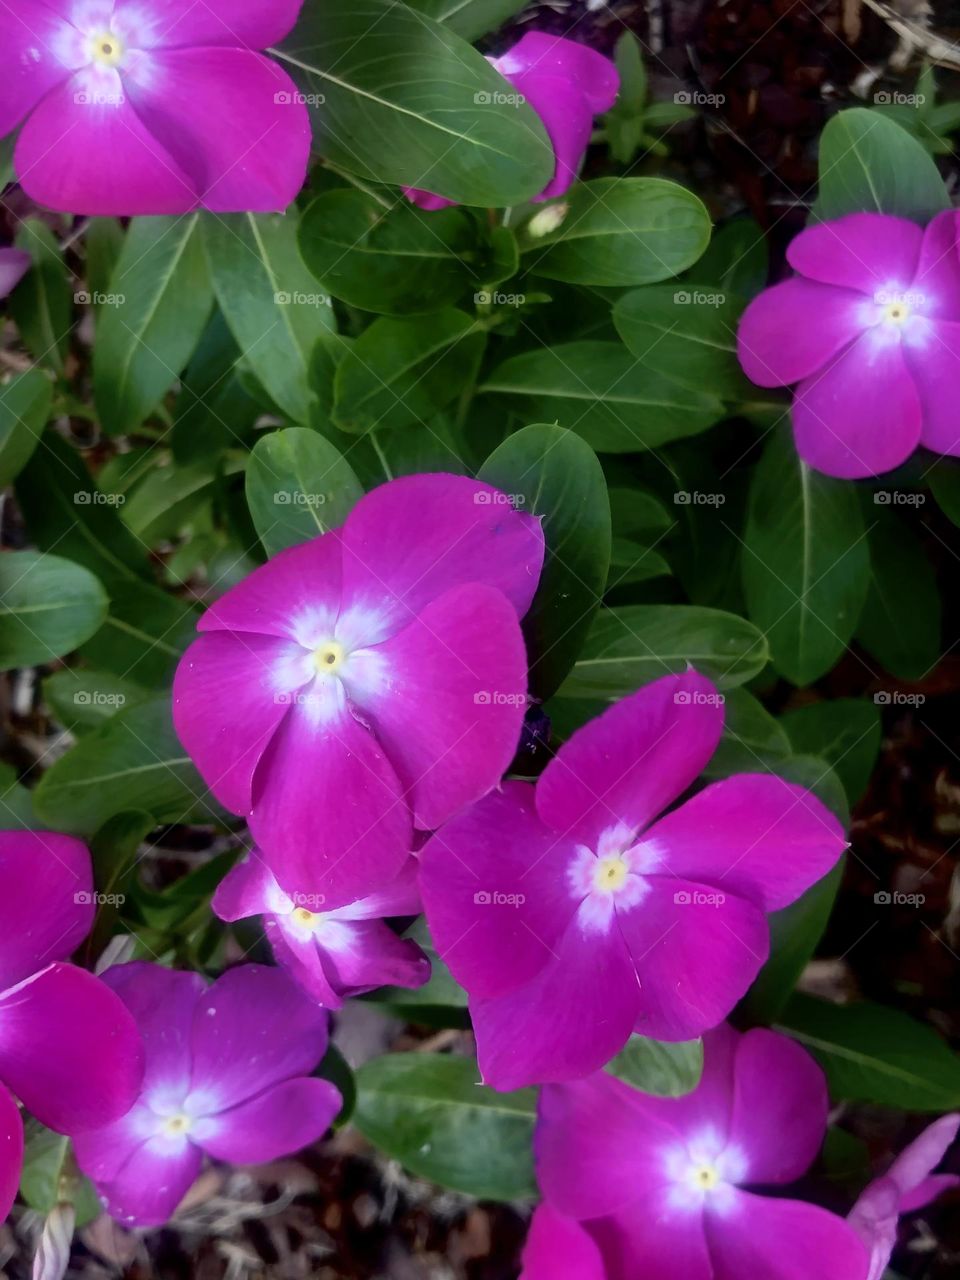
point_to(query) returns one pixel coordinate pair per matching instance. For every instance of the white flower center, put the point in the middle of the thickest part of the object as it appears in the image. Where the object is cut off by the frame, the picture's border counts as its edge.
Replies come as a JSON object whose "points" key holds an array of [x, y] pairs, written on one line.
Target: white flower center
{"points": [[177, 1126], [329, 657]]}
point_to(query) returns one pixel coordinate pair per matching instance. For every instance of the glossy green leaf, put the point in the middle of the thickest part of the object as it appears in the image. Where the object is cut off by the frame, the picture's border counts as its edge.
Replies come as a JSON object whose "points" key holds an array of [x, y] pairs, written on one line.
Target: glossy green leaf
{"points": [[403, 371], [440, 1002], [549, 472], [454, 127], [16, 803], [158, 303], [50, 1175], [752, 737], [275, 309], [661, 1069], [469, 18], [805, 561], [602, 392], [430, 1112], [629, 647], [82, 699], [42, 304], [48, 607], [298, 486], [901, 619], [876, 1055], [845, 732], [622, 232], [24, 410]]}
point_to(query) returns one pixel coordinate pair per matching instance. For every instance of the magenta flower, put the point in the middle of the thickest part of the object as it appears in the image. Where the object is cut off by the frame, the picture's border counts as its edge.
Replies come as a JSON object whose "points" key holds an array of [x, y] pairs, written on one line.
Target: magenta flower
{"points": [[331, 954], [227, 1075], [567, 910], [152, 106], [908, 1185], [14, 265], [559, 1248], [69, 1050], [870, 329], [659, 1182], [365, 682], [566, 84]]}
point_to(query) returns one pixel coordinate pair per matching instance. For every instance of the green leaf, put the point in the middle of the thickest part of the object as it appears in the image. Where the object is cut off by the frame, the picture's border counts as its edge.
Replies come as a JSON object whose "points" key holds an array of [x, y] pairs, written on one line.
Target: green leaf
{"points": [[632, 562], [42, 304], [817, 776], [845, 732], [50, 1175], [166, 500], [629, 647], [275, 309], [440, 1002], [395, 261], [869, 164], [550, 472], [24, 410], [103, 240], [16, 803], [687, 334], [900, 623], [622, 232], [469, 18], [161, 301], [737, 261], [135, 761], [298, 486], [48, 607], [876, 1055], [752, 737], [82, 699], [805, 561], [430, 1112], [454, 127], [403, 371], [944, 479], [599, 390], [661, 1069]]}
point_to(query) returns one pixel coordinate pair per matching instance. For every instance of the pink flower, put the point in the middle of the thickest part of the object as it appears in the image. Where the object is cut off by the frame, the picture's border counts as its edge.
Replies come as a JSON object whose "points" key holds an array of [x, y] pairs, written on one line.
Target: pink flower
{"points": [[227, 1075], [69, 1050], [870, 329], [152, 106], [574, 917], [558, 1248], [659, 1182], [908, 1185], [14, 265], [331, 954], [365, 682], [566, 84]]}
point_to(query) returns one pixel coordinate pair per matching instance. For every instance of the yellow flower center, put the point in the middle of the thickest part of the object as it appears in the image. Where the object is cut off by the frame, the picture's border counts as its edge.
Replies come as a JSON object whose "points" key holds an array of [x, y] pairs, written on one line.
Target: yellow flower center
{"points": [[329, 657], [705, 1177], [106, 48], [177, 1125], [303, 916], [897, 312], [611, 874]]}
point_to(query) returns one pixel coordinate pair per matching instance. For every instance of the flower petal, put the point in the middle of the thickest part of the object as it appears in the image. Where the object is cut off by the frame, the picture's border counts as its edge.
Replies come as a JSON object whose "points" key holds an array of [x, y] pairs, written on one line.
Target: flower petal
{"points": [[11, 1151], [283, 1119], [933, 358], [629, 763], [248, 889], [653, 1240], [466, 531], [398, 897], [575, 1015], [232, 119], [782, 1240], [494, 891], [254, 23], [580, 66], [558, 1248], [231, 692], [252, 1029], [37, 52], [865, 251], [361, 955], [150, 1183], [755, 835], [450, 709], [304, 962], [912, 1167], [69, 1049], [938, 274], [98, 157], [46, 901], [163, 1002], [14, 265], [793, 329], [696, 953], [329, 813], [780, 1130], [860, 416]]}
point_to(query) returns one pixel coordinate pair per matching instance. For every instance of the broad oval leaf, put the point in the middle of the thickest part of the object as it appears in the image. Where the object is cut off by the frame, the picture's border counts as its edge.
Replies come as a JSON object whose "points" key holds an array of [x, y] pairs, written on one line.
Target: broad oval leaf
{"points": [[42, 303], [453, 127], [901, 619], [469, 18], [158, 304], [605, 394], [622, 232], [430, 1112], [629, 647], [805, 561], [298, 486], [24, 410], [48, 607], [845, 732], [550, 472], [658, 1068], [752, 737]]}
